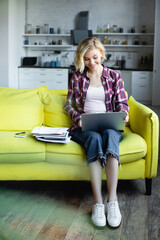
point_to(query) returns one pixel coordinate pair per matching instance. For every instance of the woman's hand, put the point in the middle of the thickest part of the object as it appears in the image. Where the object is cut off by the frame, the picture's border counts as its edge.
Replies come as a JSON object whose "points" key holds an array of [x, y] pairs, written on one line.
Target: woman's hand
{"points": [[126, 119], [80, 123]]}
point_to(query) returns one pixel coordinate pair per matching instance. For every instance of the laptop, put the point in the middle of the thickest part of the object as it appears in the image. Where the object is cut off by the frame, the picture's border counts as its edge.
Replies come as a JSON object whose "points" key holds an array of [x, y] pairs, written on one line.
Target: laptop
{"points": [[101, 121]]}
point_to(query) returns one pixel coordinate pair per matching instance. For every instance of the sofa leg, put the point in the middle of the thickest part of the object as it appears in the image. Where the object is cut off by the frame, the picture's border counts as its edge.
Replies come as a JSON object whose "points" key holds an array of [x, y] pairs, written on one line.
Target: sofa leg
{"points": [[148, 182]]}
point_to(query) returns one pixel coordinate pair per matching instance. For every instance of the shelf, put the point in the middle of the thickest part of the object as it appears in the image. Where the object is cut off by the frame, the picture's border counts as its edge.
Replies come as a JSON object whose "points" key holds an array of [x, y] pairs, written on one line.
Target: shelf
{"points": [[127, 46], [47, 46], [74, 48], [46, 35], [123, 34]]}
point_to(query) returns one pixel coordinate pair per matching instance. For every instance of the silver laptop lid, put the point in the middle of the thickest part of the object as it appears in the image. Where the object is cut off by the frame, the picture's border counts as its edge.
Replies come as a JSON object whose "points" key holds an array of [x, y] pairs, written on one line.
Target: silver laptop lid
{"points": [[101, 121]]}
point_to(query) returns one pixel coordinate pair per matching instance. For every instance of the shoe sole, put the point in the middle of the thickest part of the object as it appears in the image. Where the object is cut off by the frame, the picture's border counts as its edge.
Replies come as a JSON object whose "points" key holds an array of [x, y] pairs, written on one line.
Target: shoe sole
{"points": [[115, 226], [97, 224]]}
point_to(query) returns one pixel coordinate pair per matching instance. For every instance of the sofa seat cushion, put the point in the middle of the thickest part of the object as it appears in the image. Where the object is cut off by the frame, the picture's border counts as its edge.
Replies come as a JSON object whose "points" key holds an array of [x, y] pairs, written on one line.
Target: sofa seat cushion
{"points": [[21, 109], [132, 147], [71, 153], [20, 150]]}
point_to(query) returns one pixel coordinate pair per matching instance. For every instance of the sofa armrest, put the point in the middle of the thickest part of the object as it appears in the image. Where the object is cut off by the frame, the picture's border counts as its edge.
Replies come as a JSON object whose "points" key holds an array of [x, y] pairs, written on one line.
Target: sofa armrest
{"points": [[145, 122]]}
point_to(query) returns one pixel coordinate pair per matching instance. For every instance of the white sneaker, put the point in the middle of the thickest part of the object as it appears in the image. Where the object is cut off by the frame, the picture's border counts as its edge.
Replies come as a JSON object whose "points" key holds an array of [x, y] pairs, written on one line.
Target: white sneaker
{"points": [[98, 215], [114, 216]]}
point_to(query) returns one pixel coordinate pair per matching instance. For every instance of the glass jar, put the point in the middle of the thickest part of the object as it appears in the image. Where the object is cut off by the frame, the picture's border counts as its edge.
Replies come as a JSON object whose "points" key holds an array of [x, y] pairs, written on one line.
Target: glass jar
{"points": [[115, 28], [37, 29], [143, 29], [107, 28], [46, 28], [29, 28]]}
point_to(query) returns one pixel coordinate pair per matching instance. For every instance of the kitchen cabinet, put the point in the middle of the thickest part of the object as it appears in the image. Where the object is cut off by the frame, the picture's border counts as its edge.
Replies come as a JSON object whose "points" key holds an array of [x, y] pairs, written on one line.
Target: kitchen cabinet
{"points": [[142, 86], [126, 77], [60, 79], [37, 77]]}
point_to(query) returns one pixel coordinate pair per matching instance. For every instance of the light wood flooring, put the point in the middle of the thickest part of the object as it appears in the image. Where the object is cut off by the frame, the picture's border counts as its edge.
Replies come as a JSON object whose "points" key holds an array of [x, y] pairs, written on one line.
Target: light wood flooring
{"points": [[61, 211]]}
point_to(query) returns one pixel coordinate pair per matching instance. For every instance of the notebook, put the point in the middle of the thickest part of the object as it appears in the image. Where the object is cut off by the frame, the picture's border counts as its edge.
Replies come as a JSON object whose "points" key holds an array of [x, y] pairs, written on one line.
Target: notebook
{"points": [[101, 121]]}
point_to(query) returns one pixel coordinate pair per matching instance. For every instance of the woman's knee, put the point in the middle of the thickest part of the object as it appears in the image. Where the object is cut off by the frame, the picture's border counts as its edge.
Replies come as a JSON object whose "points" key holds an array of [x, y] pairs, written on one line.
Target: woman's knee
{"points": [[94, 137], [111, 133]]}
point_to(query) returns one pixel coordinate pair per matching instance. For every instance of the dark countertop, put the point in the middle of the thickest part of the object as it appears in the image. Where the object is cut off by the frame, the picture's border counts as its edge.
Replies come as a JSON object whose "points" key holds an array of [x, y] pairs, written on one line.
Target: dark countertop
{"points": [[73, 68], [46, 67]]}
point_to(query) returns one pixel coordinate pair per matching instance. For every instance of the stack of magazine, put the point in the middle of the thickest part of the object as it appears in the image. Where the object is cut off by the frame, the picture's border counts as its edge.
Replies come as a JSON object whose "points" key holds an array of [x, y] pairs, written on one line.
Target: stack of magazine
{"points": [[49, 134]]}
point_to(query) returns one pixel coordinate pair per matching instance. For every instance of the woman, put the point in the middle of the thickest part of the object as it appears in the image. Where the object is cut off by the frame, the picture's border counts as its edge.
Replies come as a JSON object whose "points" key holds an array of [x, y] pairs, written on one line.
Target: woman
{"points": [[95, 88]]}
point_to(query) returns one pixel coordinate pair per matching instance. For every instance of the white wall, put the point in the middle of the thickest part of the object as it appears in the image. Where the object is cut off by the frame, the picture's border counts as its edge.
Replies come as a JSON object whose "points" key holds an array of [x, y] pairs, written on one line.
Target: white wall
{"points": [[16, 21], [4, 43], [156, 70], [121, 12]]}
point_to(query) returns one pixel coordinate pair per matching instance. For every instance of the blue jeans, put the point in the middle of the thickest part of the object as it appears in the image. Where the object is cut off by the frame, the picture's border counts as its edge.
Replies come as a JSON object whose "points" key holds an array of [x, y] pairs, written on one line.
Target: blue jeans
{"points": [[98, 145]]}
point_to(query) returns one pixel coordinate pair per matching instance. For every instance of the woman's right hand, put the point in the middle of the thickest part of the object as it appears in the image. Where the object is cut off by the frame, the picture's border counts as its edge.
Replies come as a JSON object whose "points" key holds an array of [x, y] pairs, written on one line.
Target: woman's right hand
{"points": [[80, 123]]}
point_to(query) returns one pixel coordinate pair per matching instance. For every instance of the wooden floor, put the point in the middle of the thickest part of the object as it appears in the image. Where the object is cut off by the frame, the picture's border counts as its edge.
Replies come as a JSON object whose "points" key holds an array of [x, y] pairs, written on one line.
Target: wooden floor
{"points": [[61, 210]]}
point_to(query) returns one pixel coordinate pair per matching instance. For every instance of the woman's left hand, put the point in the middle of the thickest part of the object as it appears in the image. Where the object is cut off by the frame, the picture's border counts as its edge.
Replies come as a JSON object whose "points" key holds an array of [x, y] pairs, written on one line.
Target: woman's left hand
{"points": [[126, 119]]}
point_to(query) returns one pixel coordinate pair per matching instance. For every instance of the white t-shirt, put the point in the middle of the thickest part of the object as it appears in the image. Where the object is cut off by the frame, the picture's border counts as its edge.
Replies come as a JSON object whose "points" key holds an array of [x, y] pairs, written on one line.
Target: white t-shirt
{"points": [[95, 100]]}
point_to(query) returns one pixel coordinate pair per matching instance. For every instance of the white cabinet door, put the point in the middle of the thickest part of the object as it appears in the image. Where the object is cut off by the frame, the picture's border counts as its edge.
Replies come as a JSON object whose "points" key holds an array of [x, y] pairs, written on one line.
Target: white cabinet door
{"points": [[37, 77], [60, 79], [43, 77], [26, 78], [126, 77], [142, 86]]}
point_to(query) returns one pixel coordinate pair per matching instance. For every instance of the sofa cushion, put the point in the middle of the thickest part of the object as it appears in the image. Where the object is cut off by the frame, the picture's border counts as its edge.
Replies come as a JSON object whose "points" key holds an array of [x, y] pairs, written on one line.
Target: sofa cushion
{"points": [[21, 109], [132, 147], [54, 114], [20, 150]]}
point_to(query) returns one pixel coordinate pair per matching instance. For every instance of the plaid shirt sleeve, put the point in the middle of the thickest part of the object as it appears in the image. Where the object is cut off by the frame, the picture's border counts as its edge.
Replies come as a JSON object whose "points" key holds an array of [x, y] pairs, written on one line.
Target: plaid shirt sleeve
{"points": [[70, 105], [120, 98]]}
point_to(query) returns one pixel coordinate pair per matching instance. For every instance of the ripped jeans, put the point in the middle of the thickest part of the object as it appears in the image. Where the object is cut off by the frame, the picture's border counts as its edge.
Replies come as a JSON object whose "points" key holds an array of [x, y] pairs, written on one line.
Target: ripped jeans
{"points": [[98, 145]]}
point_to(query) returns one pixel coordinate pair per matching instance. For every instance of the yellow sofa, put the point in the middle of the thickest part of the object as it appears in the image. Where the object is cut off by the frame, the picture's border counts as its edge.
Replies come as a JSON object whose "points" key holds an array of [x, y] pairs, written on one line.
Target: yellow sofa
{"points": [[29, 159]]}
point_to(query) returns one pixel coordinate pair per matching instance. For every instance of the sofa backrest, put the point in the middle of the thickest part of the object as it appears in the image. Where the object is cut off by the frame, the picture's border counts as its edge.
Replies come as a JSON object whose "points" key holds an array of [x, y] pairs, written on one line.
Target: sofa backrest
{"points": [[20, 109], [54, 114]]}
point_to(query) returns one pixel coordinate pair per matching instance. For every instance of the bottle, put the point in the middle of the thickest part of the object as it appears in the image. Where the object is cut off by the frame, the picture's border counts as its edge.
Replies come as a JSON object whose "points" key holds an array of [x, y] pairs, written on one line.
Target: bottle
{"points": [[143, 29], [45, 28], [37, 29], [107, 28], [57, 62], [105, 40], [114, 28], [100, 29], [29, 28]]}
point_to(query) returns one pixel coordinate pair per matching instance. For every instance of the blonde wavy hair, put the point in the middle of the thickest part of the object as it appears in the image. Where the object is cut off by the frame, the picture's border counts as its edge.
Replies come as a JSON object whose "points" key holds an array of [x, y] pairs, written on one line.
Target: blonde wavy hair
{"points": [[84, 46]]}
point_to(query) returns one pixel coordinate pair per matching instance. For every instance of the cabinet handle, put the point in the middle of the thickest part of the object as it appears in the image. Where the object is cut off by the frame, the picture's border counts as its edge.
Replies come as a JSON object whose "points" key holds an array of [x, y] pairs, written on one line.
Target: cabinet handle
{"points": [[142, 86], [42, 82], [59, 74], [59, 82], [42, 74], [142, 78]]}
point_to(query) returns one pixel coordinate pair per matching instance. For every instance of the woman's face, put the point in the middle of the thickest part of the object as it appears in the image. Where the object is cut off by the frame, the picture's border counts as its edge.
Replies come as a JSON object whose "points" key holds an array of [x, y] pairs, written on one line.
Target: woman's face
{"points": [[92, 59]]}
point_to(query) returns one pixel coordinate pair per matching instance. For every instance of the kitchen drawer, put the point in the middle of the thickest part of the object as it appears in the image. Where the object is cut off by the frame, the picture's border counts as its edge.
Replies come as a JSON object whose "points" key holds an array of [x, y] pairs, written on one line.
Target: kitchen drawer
{"points": [[61, 72], [25, 83], [34, 84], [60, 84], [60, 79], [141, 77], [42, 75], [26, 70], [27, 74], [142, 92]]}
